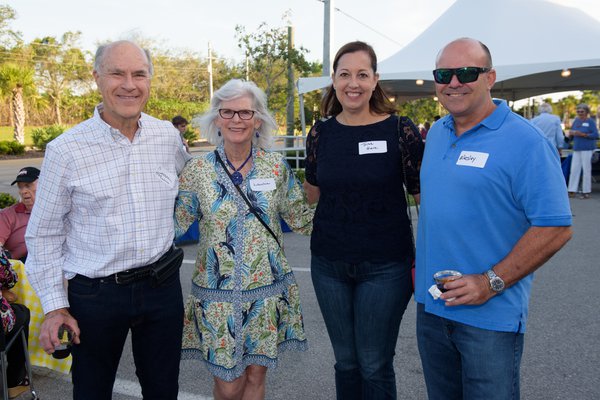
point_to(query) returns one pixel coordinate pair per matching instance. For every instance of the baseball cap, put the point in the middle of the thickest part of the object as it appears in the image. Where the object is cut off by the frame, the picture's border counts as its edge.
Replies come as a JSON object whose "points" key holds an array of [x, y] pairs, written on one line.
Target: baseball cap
{"points": [[27, 174]]}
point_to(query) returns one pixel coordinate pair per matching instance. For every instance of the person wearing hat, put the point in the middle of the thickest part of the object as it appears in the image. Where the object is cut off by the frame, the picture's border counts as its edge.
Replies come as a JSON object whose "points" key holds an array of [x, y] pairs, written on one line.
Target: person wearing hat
{"points": [[14, 219]]}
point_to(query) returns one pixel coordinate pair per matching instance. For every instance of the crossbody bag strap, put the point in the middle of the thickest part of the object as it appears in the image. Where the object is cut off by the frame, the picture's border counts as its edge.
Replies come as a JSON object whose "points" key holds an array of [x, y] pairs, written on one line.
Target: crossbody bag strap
{"points": [[250, 207]]}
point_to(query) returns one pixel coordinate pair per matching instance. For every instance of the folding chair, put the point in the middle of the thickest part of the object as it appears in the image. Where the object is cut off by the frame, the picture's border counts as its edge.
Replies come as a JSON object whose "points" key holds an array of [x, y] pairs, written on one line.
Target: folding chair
{"points": [[4, 347]]}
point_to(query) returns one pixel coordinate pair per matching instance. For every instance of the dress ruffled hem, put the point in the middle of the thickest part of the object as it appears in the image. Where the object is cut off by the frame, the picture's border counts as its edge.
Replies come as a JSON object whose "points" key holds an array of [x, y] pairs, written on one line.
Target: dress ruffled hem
{"points": [[230, 374]]}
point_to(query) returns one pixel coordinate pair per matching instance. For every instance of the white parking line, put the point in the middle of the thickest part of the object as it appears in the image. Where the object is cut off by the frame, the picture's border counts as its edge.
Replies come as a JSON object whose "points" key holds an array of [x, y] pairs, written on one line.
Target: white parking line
{"points": [[133, 389], [297, 269]]}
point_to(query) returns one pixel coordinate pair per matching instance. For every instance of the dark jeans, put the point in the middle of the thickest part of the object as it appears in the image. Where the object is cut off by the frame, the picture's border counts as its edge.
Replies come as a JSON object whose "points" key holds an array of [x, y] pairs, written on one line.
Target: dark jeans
{"points": [[15, 373], [464, 362], [362, 305], [105, 313]]}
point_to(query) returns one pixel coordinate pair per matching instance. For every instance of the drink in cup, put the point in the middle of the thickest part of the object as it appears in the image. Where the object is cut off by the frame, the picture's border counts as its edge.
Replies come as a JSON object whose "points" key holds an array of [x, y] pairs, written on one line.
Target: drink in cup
{"points": [[444, 276]]}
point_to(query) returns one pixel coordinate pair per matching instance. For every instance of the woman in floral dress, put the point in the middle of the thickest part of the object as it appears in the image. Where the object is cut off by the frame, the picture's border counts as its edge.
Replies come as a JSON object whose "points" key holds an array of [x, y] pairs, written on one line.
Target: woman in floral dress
{"points": [[244, 305]]}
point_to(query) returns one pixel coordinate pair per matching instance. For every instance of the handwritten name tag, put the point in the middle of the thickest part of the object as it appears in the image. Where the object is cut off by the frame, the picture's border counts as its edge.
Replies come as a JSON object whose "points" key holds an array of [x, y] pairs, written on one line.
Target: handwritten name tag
{"points": [[376, 146], [472, 159], [585, 124], [262, 185]]}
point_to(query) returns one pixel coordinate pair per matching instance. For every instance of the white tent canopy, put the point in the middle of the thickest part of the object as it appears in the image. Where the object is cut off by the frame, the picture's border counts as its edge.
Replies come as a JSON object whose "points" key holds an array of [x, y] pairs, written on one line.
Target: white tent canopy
{"points": [[531, 42]]}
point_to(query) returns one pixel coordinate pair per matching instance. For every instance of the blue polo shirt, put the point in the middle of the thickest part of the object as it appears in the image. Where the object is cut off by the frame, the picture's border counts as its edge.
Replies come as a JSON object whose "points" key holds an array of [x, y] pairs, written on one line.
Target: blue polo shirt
{"points": [[480, 193]]}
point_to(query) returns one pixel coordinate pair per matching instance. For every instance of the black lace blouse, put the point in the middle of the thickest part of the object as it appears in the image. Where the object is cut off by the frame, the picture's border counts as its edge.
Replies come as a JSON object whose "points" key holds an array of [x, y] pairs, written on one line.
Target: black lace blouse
{"points": [[361, 215]]}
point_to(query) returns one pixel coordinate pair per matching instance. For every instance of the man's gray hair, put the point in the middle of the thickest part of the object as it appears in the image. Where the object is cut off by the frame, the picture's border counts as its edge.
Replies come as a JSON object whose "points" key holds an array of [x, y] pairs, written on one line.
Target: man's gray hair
{"points": [[101, 52], [545, 108], [234, 89]]}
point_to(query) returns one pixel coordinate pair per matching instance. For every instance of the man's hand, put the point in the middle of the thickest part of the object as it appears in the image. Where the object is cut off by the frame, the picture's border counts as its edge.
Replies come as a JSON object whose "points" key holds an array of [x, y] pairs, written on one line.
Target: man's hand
{"points": [[468, 290], [49, 330]]}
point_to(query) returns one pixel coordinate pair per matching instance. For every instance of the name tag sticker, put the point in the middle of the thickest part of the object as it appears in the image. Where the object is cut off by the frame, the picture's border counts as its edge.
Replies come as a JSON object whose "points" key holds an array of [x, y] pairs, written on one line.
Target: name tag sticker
{"points": [[585, 124], [262, 185], [165, 176], [373, 147], [472, 159]]}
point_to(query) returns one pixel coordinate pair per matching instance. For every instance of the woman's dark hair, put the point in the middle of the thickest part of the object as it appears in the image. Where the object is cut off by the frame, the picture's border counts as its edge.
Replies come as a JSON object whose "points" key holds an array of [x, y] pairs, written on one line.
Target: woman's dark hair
{"points": [[379, 102]]}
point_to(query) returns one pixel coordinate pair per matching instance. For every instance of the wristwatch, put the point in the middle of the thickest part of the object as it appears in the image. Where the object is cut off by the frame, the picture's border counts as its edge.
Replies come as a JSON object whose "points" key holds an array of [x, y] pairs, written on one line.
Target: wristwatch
{"points": [[496, 283]]}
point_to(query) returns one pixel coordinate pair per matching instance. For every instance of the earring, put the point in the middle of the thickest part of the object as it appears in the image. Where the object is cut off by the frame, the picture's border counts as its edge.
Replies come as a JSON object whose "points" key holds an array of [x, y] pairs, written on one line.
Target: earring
{"points": [[219, 133], [257, 134]]}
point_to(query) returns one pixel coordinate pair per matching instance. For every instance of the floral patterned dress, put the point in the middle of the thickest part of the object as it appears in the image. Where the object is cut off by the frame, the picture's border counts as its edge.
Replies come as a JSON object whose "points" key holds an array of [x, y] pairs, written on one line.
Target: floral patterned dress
{"points": [[244, 305], [8, 278]]}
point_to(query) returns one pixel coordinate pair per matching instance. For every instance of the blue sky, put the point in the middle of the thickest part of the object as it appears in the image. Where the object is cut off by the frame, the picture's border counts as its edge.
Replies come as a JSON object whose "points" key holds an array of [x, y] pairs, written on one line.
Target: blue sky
{"points": [[192, 24]]}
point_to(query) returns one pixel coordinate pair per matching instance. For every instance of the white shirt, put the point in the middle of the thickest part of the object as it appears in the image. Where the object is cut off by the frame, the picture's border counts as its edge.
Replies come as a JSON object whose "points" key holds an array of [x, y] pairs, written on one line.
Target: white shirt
{"points": [[103, 204]]}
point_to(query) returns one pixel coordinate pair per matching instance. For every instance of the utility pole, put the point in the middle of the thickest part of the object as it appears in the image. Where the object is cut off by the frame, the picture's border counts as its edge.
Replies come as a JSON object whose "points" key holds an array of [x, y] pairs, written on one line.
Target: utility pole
{"points": [[327, 36], [290, 86], [247, 68], [210, 73]]}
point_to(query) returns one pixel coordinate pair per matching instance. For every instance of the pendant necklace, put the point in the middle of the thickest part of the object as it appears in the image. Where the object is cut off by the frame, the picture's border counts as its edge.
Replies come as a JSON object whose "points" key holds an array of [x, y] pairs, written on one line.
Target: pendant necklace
{"points": [[236, 176]]}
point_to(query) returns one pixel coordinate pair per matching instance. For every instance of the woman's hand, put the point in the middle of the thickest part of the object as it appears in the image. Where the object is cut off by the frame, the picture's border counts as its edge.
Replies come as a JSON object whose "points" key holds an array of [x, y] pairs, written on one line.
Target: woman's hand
{"points": [[312, 192]]}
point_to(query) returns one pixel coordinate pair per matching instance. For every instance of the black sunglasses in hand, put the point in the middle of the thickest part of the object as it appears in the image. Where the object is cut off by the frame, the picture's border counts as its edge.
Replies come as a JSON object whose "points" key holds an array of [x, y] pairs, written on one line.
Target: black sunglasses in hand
{"points": [[464, 74]]}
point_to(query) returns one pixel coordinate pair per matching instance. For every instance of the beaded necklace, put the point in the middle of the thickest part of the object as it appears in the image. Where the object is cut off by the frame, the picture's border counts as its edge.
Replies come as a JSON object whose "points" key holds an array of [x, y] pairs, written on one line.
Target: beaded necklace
{"points": [[236, 176]]}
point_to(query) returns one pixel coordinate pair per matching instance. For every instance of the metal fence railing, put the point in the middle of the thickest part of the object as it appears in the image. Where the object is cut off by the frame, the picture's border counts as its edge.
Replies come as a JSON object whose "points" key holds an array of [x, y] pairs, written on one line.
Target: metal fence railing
{"points": [[293, 148]]}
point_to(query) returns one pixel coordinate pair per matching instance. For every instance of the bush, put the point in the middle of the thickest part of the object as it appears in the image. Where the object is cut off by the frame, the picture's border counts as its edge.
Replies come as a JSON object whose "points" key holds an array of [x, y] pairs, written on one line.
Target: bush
{"points": [[11, 147], [42, 136], [300, 175], [6, 200], [191, 135]]}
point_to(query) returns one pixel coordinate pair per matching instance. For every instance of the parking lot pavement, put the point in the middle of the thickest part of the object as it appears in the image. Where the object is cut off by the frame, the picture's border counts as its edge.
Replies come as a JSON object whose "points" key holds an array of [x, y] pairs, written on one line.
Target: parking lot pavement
{"points": [[560, 360]]}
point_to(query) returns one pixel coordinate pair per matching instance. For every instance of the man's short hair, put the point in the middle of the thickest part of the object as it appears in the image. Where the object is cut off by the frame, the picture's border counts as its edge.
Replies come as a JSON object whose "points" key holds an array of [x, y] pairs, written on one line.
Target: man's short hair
{"points": [[179, 120], [101, 52], [545, 108]]}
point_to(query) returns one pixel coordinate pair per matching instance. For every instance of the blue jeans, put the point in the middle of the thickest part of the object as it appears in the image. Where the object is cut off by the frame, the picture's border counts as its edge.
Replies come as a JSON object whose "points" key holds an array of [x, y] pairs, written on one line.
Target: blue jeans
{"points": [[105, 313], [362, 305], [464, 362]]}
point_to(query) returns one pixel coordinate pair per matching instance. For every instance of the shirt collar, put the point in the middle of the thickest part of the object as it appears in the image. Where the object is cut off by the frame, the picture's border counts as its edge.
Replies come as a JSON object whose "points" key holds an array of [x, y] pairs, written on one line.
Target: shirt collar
{"points": [[492, 121], [115, 133], [20, 208]]}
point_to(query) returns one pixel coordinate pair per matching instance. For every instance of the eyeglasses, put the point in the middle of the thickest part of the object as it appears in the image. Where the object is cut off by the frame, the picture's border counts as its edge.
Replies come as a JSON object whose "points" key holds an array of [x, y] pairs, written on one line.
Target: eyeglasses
{"points": [[226, 113], [464, 74], [581, 112]]}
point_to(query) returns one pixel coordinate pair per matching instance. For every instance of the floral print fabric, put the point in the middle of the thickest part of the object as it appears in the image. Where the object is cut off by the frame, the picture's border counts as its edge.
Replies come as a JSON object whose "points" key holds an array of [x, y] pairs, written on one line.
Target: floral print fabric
{"points": [[244, 306], [8, 278]]}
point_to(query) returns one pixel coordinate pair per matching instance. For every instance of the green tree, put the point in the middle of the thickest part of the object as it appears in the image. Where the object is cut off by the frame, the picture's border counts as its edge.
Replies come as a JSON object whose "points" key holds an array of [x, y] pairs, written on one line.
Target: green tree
{"points": [[267, 52], [14, 81], [61, 68], [8, 37], [420, 110]]}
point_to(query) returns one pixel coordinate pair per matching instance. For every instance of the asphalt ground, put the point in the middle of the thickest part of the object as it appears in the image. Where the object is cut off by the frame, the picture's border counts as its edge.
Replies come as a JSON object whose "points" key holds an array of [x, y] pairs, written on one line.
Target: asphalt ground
{"points": [[561, 358]]}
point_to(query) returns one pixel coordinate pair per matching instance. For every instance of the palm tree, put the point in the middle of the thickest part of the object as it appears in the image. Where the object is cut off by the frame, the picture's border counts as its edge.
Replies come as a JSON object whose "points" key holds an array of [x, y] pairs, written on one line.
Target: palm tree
{"points": [[15, 80]]}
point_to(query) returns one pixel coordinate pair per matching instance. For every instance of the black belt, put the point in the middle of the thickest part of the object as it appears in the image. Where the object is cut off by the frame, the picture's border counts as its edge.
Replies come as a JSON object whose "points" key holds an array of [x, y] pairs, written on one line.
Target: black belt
{"points": [[136, 274]]}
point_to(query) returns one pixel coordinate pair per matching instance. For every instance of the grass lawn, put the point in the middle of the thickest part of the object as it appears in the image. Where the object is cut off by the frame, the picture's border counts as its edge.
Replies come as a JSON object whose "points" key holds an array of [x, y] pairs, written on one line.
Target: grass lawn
{"points": [[6, 133]]}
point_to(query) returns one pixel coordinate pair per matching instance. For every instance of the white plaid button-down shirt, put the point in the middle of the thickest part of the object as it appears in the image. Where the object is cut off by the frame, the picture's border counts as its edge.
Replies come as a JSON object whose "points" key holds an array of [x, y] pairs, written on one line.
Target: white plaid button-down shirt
{"points": [[103, 204]]}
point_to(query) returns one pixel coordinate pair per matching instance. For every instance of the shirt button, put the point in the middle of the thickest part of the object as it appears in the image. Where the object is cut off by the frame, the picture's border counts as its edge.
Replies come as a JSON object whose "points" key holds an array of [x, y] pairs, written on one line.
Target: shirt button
{"points": [[453, 146]]}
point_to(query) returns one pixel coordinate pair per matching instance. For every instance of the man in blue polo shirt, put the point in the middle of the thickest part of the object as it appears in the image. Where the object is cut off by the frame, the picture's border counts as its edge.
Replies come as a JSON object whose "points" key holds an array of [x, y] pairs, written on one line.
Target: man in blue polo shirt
{"points": [[493, 211]]}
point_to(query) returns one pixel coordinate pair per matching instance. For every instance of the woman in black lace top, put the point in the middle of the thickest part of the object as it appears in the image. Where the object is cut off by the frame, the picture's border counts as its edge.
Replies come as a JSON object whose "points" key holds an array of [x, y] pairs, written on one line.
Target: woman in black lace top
{"points": [[361, 244]]}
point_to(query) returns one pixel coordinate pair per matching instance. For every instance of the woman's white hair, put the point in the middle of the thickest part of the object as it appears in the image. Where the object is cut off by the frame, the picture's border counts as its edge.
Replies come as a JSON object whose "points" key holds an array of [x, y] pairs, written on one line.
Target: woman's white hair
{"points": [[234, 89]]}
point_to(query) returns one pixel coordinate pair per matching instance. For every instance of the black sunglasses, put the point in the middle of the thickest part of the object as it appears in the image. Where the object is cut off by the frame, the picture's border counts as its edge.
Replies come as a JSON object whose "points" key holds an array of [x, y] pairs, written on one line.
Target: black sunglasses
{"points": [[464, 74]]}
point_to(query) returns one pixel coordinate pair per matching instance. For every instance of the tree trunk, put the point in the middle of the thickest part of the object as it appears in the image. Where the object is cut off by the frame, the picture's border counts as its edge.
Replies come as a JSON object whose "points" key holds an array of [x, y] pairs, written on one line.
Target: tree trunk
{"points": [[18, 114], [57, 101]]}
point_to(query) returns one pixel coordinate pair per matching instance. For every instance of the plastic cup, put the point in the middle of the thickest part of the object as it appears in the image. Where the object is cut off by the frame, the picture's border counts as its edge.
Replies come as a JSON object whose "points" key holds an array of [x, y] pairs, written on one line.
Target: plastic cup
{"points": [[444, 276]]}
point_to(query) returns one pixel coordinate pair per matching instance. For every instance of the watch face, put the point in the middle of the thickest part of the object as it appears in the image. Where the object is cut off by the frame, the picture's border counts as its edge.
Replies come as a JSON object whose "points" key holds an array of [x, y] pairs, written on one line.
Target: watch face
{"points": [[497, 284]]}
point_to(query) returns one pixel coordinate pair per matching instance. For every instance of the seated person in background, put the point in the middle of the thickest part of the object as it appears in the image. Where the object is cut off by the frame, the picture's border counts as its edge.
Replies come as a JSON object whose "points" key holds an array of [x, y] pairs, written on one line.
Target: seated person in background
{"points": [[14, 219], [181, 124], [13, 316]]}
